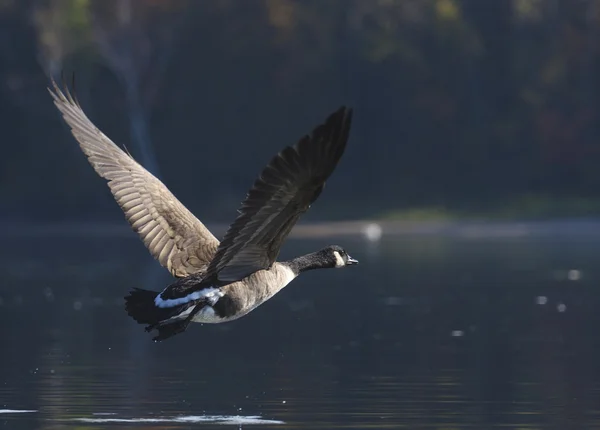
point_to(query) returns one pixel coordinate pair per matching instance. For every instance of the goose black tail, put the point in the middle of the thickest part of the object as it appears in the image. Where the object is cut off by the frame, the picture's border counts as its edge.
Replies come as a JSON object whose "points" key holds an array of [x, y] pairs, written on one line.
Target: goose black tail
{"points": [[140, 306]]}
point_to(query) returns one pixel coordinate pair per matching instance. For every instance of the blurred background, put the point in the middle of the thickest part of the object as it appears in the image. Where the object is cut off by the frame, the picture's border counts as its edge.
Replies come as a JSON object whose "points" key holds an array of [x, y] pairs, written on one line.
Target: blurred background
{"points": [[469, 192], [463, 108]]}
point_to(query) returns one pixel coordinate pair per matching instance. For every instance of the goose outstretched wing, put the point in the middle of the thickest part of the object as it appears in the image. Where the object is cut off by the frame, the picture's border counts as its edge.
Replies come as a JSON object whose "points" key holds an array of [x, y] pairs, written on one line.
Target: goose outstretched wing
{"points": [[172, 234], [286, 188]]}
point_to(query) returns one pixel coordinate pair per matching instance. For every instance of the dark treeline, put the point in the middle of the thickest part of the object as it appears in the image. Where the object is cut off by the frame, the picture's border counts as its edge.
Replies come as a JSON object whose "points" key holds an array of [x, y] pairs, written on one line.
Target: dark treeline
{"points": [[458, 103]]}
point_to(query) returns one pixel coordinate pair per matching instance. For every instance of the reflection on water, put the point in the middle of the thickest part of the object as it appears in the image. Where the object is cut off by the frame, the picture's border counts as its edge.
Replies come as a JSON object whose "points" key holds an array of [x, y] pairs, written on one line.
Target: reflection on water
{"points": [[14, 411], [428, 332], [212, 419]]}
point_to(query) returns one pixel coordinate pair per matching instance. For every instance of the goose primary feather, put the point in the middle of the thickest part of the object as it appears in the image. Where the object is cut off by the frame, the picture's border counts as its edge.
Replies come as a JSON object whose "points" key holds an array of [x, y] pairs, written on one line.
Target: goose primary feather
{"points": [[216, 281]]}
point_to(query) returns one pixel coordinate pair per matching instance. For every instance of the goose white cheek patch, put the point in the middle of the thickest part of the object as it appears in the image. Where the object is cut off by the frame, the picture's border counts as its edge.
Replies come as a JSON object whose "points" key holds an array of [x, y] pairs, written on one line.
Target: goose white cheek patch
{"points": [[339, 261]]}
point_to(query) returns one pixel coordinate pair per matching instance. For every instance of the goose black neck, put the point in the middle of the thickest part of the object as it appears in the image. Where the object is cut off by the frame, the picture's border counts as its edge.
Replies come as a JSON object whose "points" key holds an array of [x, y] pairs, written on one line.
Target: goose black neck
{"points": [[307, 262]]}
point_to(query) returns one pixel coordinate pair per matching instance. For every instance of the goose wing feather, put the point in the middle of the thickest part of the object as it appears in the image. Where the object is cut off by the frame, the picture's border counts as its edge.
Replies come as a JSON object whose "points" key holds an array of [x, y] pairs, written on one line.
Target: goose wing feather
{"points": [[286, 188], [172, 234]]}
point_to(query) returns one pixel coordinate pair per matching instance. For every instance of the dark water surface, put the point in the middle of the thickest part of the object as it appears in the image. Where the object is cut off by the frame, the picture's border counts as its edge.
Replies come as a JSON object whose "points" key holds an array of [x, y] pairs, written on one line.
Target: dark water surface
{"points": [[439, 333]]}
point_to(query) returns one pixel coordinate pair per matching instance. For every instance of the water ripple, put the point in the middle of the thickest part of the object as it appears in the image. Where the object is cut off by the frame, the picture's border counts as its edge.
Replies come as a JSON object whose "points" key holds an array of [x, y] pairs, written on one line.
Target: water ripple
{"points": [[15, 411], [215, 419]]}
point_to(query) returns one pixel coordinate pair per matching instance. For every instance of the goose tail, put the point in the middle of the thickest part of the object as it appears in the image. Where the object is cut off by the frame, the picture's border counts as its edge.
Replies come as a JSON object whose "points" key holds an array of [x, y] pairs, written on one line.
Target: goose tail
{"points": [[140, 305]]}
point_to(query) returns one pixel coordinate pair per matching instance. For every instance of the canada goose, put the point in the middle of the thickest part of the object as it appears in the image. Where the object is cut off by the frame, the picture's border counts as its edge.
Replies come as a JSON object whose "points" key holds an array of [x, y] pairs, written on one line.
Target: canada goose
{"points": [[217, 282]]}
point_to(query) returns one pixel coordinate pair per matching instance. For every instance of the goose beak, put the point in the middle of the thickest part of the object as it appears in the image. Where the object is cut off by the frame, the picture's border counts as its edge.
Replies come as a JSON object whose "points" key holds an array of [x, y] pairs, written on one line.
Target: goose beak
{"points": [[351, 261]]}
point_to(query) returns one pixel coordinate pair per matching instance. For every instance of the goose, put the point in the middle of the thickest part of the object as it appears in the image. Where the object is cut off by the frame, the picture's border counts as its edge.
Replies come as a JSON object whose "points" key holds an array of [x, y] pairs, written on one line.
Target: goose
{"points": [[216, 281]]}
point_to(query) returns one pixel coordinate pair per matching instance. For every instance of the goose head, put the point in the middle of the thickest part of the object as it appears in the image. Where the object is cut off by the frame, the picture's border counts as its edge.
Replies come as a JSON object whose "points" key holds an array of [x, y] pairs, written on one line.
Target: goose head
{"points": [[336, 256]]}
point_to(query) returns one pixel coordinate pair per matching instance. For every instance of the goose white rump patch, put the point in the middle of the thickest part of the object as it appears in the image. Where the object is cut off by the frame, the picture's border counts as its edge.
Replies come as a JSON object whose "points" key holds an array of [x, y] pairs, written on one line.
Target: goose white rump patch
{"points": [[212, 295]]}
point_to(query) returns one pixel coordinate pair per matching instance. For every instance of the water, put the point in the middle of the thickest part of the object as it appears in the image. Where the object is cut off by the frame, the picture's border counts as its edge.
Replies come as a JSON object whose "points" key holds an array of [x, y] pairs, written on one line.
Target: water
{"points": [[427, 333]]}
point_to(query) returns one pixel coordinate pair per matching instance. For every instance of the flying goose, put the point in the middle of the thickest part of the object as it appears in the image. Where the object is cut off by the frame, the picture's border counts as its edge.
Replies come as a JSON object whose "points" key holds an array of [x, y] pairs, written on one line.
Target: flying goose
{"points": [[216, 281]]}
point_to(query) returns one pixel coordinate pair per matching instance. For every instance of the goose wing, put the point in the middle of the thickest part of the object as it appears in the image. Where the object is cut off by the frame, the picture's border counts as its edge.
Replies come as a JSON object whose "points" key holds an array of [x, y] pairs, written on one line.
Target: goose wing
{"points": [[172, 234], [286, 188]]}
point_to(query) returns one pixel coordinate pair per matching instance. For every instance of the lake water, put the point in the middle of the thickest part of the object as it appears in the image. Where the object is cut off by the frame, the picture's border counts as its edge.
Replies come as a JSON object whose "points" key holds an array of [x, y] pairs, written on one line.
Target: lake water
{"points": [[428, 332]]}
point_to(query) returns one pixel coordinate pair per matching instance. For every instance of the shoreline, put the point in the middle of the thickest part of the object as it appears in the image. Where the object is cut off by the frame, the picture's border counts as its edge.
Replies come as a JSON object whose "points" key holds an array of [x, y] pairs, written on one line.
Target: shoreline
{"points": [[371, 230]]}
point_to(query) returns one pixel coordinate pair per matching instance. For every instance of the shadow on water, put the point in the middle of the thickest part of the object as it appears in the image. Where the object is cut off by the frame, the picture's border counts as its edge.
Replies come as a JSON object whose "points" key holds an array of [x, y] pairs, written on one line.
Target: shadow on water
{"points": [[428, 332]]}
